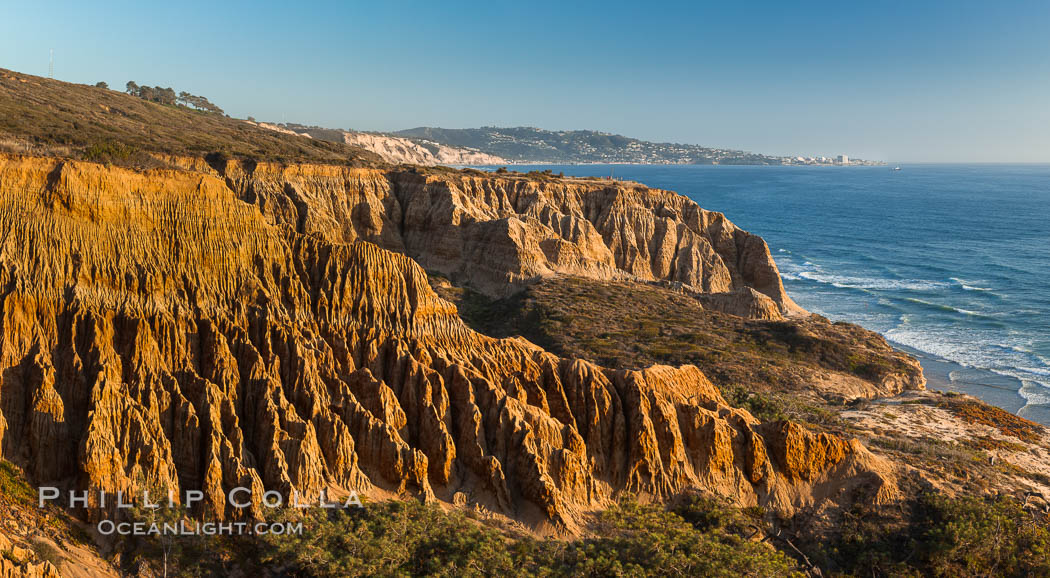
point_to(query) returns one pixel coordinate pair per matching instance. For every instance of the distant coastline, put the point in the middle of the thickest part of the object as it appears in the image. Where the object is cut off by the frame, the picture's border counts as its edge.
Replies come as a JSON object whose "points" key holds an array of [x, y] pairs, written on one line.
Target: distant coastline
{"points": [[655, 164], [535, 146], [530, 145]]}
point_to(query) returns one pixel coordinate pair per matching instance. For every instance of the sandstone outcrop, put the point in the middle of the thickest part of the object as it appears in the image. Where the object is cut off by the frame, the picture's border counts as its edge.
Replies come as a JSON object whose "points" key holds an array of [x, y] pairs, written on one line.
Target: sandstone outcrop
{"points": [[21, 547], [398, 150], [744, 302], [247, 326], [497, 233]]}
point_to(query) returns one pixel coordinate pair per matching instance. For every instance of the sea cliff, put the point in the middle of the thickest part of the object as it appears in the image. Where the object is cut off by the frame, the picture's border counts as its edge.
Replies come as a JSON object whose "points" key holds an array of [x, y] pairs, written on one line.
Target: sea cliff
{"points": [[216, 327]]}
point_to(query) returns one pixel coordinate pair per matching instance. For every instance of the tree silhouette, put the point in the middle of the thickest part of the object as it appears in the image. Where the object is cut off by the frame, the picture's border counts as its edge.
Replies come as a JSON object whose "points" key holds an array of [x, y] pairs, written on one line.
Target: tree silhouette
{"points": [[168, 96]]}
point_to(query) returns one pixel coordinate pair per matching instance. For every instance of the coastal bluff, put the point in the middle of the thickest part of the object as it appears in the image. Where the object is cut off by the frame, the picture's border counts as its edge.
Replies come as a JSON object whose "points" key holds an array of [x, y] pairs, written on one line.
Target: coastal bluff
{"points": [[497, 233], [213, 325]]}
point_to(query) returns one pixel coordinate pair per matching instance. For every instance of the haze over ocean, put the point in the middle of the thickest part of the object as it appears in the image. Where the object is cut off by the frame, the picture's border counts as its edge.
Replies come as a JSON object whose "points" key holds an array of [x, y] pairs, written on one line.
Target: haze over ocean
{"points": [[947, 261]]}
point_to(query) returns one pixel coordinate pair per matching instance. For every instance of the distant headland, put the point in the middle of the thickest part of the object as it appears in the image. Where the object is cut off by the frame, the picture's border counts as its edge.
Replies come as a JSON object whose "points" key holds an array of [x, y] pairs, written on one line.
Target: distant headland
{"points": [[530, 145]]}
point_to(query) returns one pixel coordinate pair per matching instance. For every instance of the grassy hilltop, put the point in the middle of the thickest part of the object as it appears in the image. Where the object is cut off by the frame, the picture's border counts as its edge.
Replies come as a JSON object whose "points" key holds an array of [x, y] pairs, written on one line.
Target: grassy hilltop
{"points": [[45, 116]]}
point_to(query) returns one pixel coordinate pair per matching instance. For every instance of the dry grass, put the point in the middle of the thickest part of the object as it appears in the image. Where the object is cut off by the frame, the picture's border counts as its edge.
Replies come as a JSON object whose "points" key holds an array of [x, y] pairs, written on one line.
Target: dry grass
{"points": [[44, 116]]}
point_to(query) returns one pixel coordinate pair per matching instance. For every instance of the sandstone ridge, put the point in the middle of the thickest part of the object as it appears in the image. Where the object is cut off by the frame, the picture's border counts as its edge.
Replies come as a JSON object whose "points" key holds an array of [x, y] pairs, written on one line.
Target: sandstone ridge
{"points": [[394, 149], [269, 327], [499, 232]]}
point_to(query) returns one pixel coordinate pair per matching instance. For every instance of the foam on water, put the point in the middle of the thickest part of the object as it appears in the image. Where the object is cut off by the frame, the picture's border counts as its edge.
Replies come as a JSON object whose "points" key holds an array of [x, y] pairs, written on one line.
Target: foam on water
{"points": [[1035, 393], [811, 271], [1007, 360], [846, 282], [947, 337], [966, 285]]}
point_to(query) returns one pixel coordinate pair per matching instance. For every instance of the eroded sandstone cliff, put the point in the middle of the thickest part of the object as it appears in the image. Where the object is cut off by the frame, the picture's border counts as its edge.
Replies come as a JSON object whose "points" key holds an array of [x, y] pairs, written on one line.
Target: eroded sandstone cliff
{"points": [[393, 149], [266, 326], [399, 150], [497, 233]]}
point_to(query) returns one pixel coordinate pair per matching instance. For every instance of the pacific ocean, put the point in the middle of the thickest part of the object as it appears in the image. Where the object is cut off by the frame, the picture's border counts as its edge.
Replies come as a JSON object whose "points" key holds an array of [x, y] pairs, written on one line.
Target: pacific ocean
{"points": [[950, 262]]}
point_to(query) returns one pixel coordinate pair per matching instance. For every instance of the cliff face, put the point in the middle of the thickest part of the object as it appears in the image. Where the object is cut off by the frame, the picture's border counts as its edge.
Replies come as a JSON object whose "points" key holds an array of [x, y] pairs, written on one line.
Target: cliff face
{"points": [[497, 233], [397, 150], [198, 330]]}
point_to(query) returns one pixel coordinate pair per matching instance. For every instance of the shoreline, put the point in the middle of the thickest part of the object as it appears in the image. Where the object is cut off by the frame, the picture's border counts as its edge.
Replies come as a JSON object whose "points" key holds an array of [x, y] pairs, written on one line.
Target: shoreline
{"points": [[999, 390]]}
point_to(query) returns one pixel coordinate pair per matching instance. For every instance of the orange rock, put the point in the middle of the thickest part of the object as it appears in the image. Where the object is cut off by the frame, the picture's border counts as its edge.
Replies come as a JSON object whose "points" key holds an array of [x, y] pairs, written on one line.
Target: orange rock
{"points": [[163, 329]]}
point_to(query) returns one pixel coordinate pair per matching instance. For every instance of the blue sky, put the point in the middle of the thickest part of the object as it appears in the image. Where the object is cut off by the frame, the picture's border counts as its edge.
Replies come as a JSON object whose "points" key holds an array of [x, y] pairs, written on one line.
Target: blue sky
{"points": [[899, 81]]}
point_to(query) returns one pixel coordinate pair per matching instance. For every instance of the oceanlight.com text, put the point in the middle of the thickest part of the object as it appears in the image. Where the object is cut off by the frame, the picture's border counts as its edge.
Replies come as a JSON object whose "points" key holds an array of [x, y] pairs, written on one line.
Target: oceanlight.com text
{"points": [[188, 528], [184, 525]]}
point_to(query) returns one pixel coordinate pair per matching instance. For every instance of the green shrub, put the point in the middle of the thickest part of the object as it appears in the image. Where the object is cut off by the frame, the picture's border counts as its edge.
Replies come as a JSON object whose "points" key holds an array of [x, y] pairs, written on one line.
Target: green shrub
{"points": [[637, 540], [390, 539], [120, 154], [46, 552], [13, 485], [973, 536], [109, 152], [700, 537], [764, 406], [942, 536]]}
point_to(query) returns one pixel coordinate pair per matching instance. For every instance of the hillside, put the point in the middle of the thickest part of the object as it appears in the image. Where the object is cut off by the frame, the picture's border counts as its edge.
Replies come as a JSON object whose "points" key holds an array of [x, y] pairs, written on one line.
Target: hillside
{"points": [[44, 116], [458, 340], [526, 145]]}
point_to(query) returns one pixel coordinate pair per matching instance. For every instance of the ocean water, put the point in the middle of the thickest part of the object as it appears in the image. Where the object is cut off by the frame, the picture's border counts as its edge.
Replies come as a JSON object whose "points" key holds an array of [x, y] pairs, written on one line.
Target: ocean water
{"points": [[949, 262]]}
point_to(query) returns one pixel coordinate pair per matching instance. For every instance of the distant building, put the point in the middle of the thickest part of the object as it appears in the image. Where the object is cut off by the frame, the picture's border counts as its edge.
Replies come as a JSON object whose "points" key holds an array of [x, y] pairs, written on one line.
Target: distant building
{"points": [[843, 159]]}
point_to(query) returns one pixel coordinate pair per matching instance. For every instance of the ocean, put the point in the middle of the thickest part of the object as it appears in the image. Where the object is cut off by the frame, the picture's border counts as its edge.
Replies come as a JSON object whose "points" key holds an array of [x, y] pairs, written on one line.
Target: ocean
{"points": [[949, 262]]}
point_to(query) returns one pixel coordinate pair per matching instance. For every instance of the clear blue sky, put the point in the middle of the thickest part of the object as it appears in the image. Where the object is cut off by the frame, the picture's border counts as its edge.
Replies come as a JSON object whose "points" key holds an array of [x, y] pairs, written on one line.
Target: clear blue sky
{"points": [[906, 81]]}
